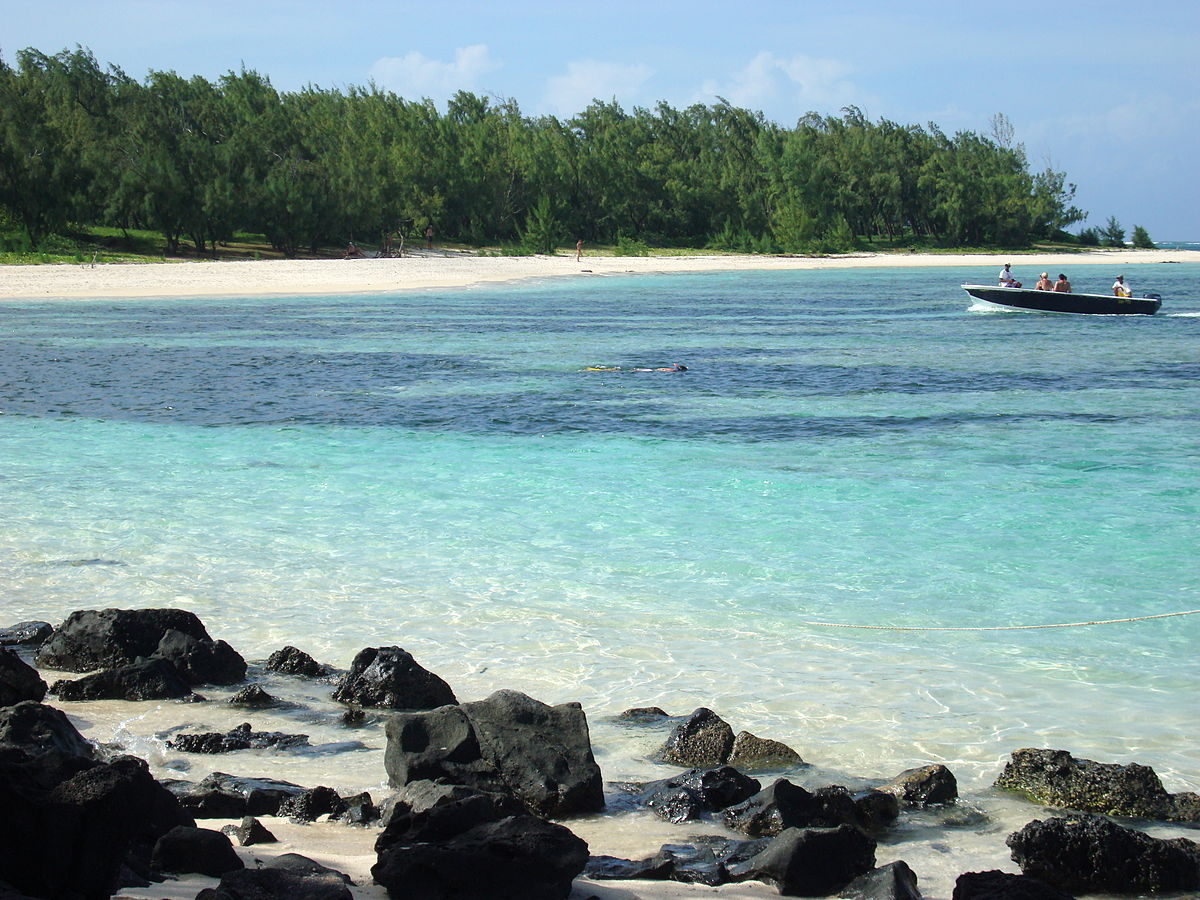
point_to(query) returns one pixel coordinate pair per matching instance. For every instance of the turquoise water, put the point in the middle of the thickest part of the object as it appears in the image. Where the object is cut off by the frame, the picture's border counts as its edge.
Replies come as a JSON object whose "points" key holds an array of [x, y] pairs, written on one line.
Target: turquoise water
{"points": [[438, 470]]}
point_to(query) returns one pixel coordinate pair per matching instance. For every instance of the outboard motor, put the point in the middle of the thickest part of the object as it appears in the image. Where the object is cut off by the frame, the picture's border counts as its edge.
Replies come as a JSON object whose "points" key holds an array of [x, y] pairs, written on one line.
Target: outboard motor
{"points": [[1151, 295]]}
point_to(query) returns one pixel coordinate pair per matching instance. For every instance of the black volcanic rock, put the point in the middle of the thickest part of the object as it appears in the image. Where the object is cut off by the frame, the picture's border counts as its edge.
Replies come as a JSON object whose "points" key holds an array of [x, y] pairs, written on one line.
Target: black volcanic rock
{"points": [[149, 679], [924, 786], [104, 639], [507, 742], [202, 850], [997, 885], [389, 677], [702, 741], [810, 862], [18, 680], [1055, 778], [238, 738], [290, 661], [26, 634], [1092, 854], [37, 728], [201, 661], [516, 858]]}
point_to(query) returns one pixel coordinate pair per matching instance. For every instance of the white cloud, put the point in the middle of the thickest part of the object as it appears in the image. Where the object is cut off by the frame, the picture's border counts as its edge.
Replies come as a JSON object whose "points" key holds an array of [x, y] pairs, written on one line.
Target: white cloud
{"points": [[588, 80], [796, 84], [414, 76]]}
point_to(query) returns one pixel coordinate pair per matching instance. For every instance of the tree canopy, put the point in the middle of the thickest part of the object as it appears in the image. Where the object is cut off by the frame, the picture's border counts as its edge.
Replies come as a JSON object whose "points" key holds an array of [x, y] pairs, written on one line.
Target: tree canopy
{"points": [[198, 160]]}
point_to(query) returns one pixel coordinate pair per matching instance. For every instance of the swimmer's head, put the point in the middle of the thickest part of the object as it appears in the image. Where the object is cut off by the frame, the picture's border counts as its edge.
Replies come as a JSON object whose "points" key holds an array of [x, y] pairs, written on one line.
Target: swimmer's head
{"points": [[679, 368]]}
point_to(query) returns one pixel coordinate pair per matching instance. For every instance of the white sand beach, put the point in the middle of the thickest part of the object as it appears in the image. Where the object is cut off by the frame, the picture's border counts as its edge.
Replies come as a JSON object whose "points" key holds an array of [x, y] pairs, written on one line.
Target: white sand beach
{"points": [[450, 270]]}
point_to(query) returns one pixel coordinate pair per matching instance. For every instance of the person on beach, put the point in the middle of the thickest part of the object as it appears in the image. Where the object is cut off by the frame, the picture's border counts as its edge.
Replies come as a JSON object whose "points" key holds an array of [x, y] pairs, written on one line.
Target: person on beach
{"points": [[1062, 285], [1044, 283], [352, 251], [429, 236], [1120, 288], [579, 250], [1007, 279]]}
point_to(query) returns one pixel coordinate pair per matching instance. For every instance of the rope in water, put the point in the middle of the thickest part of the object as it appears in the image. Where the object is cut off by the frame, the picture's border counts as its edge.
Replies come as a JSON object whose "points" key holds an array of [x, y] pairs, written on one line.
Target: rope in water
{"points": [[1186, 612]]}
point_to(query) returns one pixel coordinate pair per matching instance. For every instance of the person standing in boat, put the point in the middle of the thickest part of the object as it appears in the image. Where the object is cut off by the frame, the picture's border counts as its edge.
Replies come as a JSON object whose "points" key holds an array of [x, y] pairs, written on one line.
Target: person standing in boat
{"points": [[1006, 277], [1062, 285], [1044, 283], [1120, 288]]}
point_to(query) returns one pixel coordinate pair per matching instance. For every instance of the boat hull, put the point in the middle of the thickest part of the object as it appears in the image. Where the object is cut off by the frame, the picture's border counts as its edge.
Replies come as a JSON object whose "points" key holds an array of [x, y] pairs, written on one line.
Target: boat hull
{"points": [[1054, 301]]}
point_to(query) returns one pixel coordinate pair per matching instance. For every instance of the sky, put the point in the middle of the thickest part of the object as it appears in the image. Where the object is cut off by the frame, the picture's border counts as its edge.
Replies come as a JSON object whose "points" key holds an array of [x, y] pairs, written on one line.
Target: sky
{"points": [[1104, 91]]}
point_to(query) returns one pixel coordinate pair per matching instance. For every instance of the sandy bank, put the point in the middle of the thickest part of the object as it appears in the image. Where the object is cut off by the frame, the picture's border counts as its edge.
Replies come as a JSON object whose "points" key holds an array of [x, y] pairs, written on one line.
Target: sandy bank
{"points": [[436, 270]]}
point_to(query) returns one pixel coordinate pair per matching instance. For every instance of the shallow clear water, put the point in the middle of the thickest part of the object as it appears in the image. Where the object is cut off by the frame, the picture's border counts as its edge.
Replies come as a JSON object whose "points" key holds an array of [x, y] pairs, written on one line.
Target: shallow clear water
{"points": [[439, 470]]}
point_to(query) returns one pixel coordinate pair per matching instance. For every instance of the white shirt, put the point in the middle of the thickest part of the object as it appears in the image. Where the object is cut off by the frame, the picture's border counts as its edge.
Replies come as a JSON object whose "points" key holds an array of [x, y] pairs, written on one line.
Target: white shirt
{"points": [[1121, 288], [1006, 277]]}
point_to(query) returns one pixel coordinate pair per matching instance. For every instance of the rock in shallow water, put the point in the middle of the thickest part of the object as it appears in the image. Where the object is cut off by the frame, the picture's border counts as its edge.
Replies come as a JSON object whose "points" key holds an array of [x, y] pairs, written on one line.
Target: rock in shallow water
{"points": [[1056, 778], [389, 677], [1092, 854]]}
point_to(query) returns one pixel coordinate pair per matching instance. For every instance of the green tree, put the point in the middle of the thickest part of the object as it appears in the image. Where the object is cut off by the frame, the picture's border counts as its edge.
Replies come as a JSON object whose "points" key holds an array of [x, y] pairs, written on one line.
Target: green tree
{"points": [[543, 231], [1112, 234], [1141, 238]]}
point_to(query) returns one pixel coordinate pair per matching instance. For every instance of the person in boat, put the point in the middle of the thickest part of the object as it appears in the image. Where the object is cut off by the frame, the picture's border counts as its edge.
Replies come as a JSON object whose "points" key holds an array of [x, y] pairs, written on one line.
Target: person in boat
{"points": [[1006, 277], [1062, 285], [1120, 288], [1044, 283]]}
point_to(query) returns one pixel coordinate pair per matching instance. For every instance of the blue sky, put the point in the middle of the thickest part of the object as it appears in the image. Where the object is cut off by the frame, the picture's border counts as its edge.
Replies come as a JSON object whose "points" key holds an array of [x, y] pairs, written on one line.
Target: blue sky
{"points": [[1105, 91]]}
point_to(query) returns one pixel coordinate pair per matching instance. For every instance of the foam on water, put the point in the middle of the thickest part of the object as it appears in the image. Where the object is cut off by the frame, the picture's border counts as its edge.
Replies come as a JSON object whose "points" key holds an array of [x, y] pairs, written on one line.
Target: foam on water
{"points": [[440, 471]]}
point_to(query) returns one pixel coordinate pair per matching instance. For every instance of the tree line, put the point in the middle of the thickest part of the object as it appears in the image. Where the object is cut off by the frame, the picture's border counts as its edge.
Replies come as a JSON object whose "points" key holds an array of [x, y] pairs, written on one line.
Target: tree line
{"points": [[198, 160]]}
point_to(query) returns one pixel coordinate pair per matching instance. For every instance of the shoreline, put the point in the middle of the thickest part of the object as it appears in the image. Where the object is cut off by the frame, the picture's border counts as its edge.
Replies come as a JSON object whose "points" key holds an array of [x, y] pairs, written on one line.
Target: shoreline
{"points": [[442, 270]]}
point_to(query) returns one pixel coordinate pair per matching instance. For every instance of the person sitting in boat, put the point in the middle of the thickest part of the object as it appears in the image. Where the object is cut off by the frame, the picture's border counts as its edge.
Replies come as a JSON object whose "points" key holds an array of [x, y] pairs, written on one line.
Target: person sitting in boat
{"points": [[1120, 288], [1007, 279], [1044, 283], [1062, 285]]}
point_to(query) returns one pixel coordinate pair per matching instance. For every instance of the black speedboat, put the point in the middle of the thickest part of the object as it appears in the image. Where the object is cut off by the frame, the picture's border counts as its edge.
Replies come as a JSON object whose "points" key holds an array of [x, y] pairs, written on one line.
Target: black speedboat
{"points": [[1060, 302]]}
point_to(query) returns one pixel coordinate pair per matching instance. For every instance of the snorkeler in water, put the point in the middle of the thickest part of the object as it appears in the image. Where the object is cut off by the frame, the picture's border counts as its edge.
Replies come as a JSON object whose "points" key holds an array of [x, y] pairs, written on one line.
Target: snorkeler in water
{"points": [[674, 367]]}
